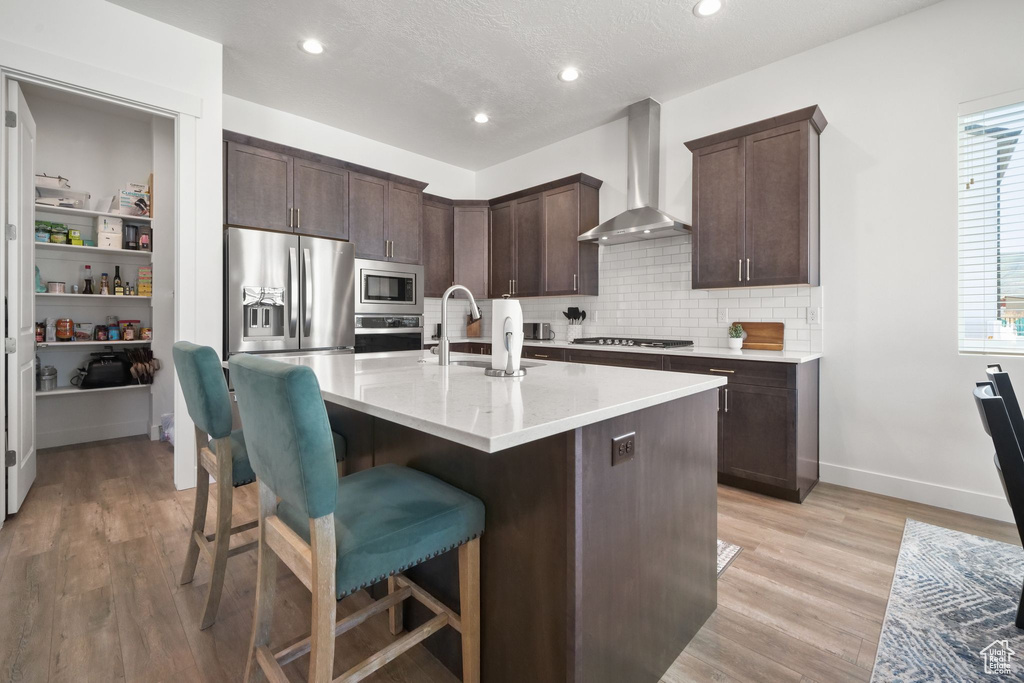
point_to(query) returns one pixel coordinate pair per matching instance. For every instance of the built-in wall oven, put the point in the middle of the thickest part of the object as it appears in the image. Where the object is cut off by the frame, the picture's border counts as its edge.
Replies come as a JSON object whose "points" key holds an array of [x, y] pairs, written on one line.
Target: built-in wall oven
{"points": [[389, 306]]}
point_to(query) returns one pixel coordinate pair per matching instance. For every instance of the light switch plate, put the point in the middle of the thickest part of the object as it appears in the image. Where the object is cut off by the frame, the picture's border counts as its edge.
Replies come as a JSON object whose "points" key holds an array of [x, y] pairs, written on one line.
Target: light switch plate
{"points": [[723, 316], [623, 448]]}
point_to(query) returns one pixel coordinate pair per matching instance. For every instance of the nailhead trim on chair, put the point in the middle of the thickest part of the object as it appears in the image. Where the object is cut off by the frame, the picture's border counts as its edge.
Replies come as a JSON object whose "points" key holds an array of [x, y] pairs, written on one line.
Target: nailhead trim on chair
{"points": [[361, 586]]}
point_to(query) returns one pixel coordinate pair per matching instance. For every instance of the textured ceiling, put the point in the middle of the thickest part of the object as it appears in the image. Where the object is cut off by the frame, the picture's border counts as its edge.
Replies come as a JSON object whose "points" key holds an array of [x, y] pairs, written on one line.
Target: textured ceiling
{"points": [[412, 73]]}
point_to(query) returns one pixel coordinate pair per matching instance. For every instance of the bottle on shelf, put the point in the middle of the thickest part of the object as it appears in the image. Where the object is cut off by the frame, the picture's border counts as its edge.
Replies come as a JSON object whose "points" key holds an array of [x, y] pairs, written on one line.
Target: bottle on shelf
{"points": [[104, 285], [118, 287], [88, 280]]}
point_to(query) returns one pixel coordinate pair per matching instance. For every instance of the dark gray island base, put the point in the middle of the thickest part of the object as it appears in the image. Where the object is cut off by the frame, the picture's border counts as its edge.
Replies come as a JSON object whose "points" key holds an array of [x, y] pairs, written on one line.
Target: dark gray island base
{"points": [[589, 572]]}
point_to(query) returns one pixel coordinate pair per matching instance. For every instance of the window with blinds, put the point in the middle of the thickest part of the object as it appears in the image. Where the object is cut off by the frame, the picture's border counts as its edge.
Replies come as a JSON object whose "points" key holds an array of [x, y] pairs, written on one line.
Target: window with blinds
{"points": [[991, 229]]}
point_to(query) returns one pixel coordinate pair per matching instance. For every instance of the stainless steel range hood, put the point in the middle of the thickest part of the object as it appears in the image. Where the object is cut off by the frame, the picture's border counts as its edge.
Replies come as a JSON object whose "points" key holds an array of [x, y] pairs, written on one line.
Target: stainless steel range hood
{"points": [[642, 220]]}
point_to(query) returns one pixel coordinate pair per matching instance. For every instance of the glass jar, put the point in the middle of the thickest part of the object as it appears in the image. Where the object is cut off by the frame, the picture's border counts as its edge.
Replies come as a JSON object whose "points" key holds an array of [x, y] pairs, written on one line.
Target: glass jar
{"points": [[65, 329]]}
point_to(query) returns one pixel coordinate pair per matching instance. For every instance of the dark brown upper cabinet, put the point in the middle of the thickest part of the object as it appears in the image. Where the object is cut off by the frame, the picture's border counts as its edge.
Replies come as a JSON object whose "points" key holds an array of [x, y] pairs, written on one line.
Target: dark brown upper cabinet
{"points": [[534, 250], [438, 245], [471, 247], [404, 226], [755, 203], [258, 187], [503, 245], [275, 187], [320, 199], [368, 214]]}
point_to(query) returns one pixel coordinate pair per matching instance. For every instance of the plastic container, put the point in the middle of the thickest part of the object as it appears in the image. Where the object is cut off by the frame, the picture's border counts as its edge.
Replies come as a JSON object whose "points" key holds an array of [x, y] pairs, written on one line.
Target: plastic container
{"points": [[47, 378]]}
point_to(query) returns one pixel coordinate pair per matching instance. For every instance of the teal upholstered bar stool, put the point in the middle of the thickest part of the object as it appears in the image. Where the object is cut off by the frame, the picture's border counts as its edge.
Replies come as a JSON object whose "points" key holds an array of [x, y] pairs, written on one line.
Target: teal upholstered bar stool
{"points": [[221, 452], [342, 535]]}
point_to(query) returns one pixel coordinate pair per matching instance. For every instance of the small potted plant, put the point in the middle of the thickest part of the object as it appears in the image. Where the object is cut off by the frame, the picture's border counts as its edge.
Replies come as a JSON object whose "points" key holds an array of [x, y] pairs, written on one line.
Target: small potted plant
{"points": [[736, 336]]}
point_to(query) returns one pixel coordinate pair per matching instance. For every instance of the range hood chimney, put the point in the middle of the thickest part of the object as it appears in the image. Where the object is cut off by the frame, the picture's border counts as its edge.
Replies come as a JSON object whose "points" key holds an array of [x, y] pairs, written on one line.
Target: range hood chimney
{"points": [[642, 220]]}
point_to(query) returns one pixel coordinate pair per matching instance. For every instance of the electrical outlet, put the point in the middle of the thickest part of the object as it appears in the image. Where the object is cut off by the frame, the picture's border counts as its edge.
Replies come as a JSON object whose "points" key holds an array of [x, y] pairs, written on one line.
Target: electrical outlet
{"points": [[723, 316], [813, 316], [623, 448]]}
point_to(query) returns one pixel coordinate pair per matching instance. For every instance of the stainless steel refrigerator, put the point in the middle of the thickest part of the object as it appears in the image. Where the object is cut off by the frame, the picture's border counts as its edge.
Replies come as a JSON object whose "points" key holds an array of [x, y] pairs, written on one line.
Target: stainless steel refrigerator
{"points": [[287, 293]]}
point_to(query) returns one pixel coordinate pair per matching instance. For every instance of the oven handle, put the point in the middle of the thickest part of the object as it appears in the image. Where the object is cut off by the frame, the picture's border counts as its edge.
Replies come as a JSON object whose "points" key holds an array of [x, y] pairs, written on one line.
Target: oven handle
{"points": [[389, 330]]}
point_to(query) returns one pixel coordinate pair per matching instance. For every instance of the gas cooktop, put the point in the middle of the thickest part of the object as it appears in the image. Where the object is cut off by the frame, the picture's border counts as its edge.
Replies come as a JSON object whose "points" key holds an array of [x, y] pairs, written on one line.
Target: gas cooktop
{"points": [[630, 341]]}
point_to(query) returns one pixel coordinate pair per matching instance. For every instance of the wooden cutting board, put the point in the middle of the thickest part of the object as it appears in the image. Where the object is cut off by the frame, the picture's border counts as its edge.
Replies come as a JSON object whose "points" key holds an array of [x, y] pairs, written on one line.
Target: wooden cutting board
{"points": [[763, 336]]}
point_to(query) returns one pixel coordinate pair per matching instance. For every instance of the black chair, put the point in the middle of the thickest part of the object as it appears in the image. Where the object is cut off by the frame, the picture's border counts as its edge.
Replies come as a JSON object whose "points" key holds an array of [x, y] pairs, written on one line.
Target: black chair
{"points": [[1009, 458]]}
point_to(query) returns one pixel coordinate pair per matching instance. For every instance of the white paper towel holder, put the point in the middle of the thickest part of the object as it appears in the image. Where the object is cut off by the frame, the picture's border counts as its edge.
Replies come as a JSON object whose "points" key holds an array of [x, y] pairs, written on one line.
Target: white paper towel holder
{"points": [[507, 371]]}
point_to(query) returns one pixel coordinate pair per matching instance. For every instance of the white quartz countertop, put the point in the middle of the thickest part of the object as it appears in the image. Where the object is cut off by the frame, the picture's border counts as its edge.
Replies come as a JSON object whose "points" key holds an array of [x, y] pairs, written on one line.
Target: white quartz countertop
{"points": [[694, 351], [461, 404]]}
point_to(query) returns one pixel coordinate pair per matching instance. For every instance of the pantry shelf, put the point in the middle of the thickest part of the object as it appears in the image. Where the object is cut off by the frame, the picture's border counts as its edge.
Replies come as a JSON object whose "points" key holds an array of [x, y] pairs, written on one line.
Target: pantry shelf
{"points": [[110, 297], [76, 344], [70, 211], [65, 391], [101, 252]]}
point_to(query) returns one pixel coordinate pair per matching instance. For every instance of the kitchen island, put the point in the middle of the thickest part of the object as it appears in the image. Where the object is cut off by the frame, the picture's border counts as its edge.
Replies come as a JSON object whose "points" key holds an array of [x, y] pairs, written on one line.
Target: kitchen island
{"points": [[598, 560]]}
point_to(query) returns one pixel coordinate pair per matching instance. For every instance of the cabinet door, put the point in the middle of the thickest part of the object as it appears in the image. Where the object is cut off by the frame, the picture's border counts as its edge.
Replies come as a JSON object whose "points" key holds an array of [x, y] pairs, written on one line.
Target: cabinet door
{"points": [[438, 247], [503, 247], [529, 222], [561, 249], [321, 199], [259, 188], [775, 235], [644, 361], [718, 187], [470, 249], [405, 213], [759, 434], [367, 214]]}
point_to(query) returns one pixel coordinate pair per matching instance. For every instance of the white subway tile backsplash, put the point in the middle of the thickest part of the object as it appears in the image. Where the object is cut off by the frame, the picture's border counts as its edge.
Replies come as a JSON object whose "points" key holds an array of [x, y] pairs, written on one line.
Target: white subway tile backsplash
{"points": [[645, 291]]}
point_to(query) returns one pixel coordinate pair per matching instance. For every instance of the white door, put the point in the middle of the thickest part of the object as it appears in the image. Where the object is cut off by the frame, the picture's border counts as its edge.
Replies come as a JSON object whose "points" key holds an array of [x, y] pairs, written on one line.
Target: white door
{"points": [[21, 306]]}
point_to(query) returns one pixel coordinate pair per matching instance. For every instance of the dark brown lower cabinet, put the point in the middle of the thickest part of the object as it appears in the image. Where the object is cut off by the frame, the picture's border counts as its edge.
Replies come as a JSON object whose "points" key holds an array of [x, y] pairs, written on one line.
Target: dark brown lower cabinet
{"points": [[768, 423], [642, 361]]}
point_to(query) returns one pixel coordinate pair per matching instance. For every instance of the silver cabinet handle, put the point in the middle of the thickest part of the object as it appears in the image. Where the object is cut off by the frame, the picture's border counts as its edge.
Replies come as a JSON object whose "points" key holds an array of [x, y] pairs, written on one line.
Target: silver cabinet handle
{"points": [[748, 270], [574, 282], [514, 285], [298, 217], [307, 292], [291, 216], [293, 279], [727, 400], [510, 288], [739, 271], [540, 355], [725, 371]]}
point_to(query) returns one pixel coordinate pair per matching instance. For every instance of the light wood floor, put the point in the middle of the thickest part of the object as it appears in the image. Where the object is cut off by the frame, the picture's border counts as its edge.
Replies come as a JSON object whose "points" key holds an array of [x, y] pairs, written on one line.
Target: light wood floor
{"points": [[89, 590]]}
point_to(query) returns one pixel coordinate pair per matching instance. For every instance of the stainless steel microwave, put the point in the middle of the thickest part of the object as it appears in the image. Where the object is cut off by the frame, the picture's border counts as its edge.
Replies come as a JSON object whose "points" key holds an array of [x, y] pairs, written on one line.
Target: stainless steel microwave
{"points": [[389, 288]]}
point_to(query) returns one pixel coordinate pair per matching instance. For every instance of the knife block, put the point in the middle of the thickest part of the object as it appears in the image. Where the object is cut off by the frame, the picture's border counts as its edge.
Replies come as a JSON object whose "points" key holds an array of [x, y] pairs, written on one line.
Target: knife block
{"points": [[474, 328]]}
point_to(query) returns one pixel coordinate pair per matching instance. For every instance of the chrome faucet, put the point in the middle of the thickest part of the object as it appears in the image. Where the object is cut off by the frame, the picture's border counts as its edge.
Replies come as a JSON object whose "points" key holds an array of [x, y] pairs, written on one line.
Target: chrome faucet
{"points": [[443, 345]]}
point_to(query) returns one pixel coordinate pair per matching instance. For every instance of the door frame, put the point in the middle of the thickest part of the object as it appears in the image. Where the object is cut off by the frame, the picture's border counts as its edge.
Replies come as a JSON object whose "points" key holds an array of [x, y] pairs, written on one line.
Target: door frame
{"points": [[32, 66]]}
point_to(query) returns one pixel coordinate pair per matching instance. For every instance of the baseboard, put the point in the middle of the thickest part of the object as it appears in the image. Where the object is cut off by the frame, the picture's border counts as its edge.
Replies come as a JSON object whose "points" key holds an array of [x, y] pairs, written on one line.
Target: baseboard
{"points": [[971, 502], [66, 437]]}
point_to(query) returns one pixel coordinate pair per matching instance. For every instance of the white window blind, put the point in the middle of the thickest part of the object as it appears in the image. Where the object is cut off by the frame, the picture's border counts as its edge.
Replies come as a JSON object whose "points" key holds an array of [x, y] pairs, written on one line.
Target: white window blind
{"points": [[991, 230]]}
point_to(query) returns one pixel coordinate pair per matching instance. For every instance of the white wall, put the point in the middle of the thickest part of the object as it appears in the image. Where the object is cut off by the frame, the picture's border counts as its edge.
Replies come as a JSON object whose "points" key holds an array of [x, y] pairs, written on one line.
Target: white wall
{"points": [[107, 49], [897, 415], [249, 118]]}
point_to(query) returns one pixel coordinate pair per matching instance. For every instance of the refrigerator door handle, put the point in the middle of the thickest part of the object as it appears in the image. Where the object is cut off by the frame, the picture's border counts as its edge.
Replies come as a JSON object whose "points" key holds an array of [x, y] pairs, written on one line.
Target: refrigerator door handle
{"points": [[293, 282], [307, 293]]}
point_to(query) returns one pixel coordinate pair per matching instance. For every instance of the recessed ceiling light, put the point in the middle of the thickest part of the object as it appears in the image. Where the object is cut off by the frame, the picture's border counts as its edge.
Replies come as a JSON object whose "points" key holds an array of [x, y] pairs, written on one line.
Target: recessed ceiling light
{"points": [[481, 118], [647, 232], [312, 46], [705, 8], [605, 237], [569, 74]]}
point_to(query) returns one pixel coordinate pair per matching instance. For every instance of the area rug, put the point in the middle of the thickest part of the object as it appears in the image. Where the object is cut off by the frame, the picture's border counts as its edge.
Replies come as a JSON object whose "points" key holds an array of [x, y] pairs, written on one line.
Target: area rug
{"points": [[727, 552], [951, 609]]}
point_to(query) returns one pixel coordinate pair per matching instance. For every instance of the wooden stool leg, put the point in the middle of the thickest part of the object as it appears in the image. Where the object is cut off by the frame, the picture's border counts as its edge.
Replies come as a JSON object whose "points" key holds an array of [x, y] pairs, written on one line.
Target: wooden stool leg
{"points": [[222, 539], [323, 550], [188, 572], [266, 580], [396, 614], [469, 599]]}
